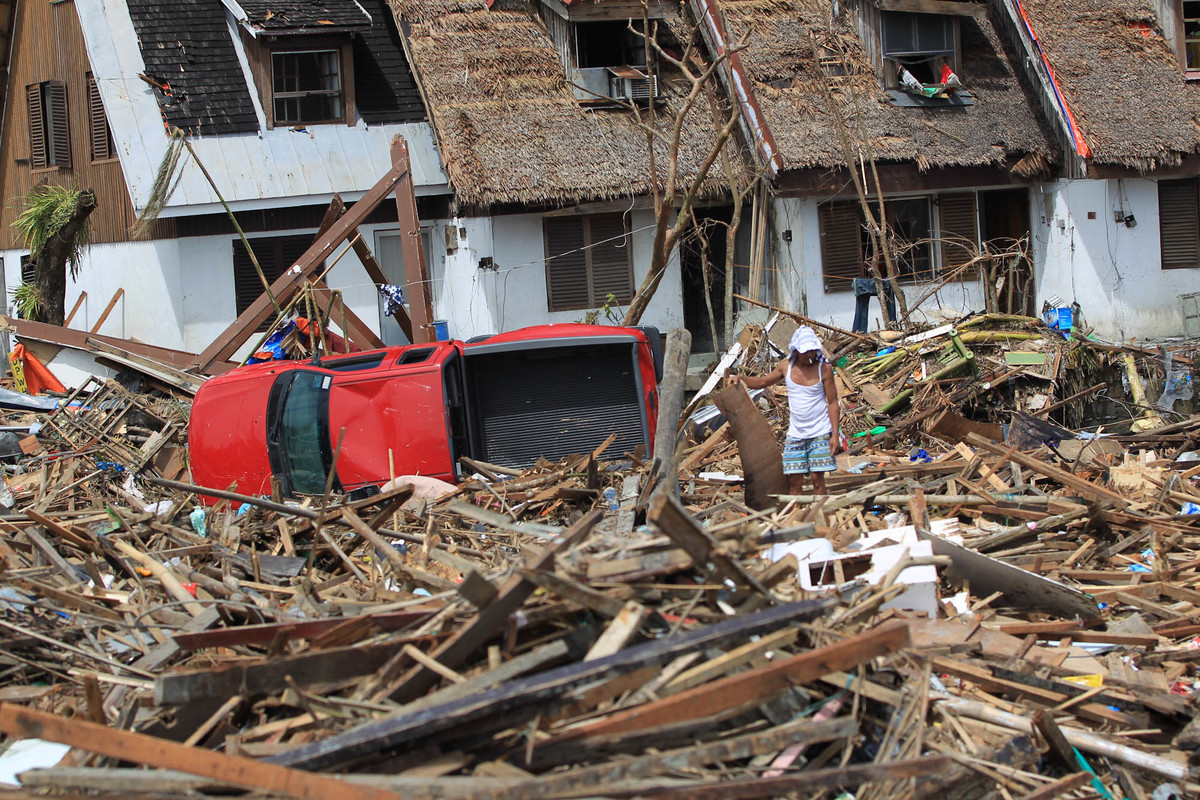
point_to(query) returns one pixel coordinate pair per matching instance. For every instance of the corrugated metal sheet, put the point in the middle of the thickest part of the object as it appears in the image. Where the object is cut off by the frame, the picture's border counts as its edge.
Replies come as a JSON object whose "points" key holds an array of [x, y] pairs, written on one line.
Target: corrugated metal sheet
{"points": [[270, 168]]}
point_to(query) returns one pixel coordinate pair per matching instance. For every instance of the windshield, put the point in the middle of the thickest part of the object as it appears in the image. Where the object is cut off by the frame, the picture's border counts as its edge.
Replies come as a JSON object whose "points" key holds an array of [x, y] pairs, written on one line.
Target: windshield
{"points": [[300, 434]]}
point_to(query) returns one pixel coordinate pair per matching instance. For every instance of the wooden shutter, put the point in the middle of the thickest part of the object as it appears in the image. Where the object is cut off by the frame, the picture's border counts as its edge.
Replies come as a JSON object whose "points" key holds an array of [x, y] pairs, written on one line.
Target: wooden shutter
{"points": [[841, 245], [566, 264], [56, 119], [98, 132], [610, 261], [1179, 224], [37, 126], [959, 231], [275, 255]]}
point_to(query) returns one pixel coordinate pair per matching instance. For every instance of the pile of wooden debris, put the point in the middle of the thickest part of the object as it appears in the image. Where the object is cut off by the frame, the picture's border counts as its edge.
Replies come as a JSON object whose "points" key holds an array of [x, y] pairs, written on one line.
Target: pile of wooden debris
{"points": [[998, 616]]}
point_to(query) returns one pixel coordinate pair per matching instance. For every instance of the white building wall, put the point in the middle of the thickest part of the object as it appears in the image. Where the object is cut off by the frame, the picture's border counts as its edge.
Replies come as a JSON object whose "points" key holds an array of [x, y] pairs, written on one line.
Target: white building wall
{"points": [[1112, 270], [802, 288], [179, 293], [512, 292]]}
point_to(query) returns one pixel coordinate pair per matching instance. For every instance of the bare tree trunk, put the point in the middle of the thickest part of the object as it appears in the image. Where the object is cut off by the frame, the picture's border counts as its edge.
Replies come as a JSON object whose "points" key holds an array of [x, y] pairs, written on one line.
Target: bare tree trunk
{"points": [[50, 262]]}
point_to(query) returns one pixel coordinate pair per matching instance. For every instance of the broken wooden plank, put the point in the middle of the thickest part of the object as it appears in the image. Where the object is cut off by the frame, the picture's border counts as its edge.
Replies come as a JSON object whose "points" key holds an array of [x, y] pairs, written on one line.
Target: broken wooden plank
{"points": [[529, 696], [751, 686], [152, 751]]}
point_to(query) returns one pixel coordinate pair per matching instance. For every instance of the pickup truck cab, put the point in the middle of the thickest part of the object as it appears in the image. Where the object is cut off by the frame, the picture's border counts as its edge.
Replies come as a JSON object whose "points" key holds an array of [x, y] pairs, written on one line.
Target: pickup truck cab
{"points": [[510, 399]]}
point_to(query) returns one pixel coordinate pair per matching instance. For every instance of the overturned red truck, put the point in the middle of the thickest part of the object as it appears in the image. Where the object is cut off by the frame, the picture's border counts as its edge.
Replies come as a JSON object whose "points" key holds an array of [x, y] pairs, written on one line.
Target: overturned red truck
{"points": [[507, 399]]}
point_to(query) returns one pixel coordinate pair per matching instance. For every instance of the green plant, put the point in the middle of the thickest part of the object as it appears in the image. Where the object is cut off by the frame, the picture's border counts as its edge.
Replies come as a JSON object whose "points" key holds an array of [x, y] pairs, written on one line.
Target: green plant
{"points": [[608, 310], [46, 211], [28, 300]]}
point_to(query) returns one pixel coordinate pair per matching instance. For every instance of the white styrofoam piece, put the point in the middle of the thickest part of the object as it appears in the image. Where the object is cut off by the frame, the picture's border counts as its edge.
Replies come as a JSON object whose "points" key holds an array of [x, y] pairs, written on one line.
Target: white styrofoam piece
{"points": [[27, 754]]}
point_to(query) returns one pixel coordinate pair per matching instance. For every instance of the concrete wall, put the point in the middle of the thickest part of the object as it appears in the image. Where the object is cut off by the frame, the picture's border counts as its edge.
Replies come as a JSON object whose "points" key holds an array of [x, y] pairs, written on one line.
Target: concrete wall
{"points": [[802, 287], [1112, 270]]}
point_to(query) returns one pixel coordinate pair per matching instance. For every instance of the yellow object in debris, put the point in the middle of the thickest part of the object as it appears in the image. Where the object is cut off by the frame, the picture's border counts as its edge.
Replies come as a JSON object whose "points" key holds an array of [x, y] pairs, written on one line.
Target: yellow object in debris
{"points": [[1091, 681], [18, 373]]}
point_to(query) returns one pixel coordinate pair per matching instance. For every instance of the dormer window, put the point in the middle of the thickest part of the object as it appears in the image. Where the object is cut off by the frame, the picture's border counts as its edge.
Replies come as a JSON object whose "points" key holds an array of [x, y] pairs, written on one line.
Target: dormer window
{"points": [[302, 57], [920, 43], [603, 50], [1191, 37]]}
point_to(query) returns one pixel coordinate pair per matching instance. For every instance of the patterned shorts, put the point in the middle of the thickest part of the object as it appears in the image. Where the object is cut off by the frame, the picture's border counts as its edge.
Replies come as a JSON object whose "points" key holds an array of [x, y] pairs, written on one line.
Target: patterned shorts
{"points": [[801, 456]]}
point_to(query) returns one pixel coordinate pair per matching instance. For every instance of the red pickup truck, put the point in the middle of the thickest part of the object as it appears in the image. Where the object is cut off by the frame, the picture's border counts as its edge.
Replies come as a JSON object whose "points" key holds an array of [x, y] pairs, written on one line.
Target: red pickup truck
{"points": [[508, 399]]}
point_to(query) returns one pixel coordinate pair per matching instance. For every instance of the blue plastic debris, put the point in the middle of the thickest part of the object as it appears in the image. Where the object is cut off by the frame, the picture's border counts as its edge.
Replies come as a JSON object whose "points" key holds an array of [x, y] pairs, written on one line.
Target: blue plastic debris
{"points": [[920, 457], [109, 466], [1190, 508]]}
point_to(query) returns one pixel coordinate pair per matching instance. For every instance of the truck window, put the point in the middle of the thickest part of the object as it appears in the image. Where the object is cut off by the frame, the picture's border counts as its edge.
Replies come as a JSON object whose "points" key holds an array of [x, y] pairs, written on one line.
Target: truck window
{"points": [[301, 434]]}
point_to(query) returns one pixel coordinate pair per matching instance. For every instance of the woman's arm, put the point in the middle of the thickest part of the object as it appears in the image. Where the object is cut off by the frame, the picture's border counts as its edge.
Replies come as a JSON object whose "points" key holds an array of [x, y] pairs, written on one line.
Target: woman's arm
{"points": [[760, 381], [835, 412]]}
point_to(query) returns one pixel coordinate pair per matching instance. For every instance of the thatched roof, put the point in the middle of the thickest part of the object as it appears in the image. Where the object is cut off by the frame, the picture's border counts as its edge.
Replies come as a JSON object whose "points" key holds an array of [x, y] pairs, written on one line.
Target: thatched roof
{"points": [[1002, 129], [508, 126], [1121, 80]]}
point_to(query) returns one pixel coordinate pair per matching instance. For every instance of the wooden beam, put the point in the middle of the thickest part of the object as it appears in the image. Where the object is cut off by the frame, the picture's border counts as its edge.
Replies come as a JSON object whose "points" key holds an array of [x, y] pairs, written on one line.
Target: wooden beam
{"points": [[108, 310], [665, 477], [1081, 485], [976, 10], [488, 621], [420, 310], [290, 281], [151, 751], [751, 686], [516, 701], [682, 528], [802, 781]]}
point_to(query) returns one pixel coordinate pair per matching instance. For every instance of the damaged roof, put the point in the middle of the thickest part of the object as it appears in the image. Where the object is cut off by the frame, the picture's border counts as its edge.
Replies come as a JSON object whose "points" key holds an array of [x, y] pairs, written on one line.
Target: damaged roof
{"points": [[293, 16], [1131, 102], [188, 51], [509, 128], [804, 105]]}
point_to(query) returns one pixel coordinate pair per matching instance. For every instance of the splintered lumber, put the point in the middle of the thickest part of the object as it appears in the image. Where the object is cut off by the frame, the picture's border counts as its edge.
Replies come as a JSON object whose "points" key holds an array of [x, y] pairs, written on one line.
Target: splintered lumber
{"points": [[748, 788], [670, 517], [762, 461], [1071, 481], [1081, 739], [752, 686], [529, 696], [587, 780], [488, 621], [313, 668], [151, 751]]}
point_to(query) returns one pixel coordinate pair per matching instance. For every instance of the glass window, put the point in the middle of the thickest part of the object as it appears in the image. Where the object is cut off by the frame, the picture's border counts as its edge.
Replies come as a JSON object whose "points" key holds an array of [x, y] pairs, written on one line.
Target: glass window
{"points": [[302, 434], [909, 222], [307, 87], [1191, 34]]}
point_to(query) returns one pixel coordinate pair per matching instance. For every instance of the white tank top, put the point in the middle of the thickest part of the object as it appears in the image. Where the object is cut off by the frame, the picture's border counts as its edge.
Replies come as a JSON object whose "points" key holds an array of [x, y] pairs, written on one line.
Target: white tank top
{"points": [[809, 410]]}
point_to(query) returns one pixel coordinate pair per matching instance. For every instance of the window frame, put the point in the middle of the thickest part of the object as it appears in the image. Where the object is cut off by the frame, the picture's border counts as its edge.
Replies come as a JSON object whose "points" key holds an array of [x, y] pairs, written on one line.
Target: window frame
{"points": [[837, 255], [261, 52], [49, 125], [1191, 72], [890, 61], [589, 250], [1186, 224]]}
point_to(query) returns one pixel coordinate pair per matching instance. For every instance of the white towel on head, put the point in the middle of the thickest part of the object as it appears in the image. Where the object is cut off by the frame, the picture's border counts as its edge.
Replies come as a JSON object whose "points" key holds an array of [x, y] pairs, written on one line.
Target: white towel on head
{"points": [[804, 340]]}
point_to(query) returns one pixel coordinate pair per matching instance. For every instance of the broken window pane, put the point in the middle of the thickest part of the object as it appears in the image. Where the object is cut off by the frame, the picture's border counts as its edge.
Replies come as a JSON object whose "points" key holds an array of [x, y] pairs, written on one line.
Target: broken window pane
{"points": [[307, 87]]}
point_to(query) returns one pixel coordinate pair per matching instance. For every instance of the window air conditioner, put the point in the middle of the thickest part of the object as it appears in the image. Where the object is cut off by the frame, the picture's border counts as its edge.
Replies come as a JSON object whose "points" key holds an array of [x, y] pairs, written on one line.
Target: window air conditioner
{"points": [[628, 83]]}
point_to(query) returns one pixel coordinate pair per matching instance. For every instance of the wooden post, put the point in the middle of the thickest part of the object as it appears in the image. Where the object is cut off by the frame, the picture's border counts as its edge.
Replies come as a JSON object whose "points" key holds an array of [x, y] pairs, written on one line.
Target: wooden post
{"points": [[762, 460], [420, 310], [670, 406]]}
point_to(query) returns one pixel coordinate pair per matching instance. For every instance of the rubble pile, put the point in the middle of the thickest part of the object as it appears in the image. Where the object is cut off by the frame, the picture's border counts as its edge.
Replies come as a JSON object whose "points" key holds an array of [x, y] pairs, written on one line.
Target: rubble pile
{"points": [[987, 603]]}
